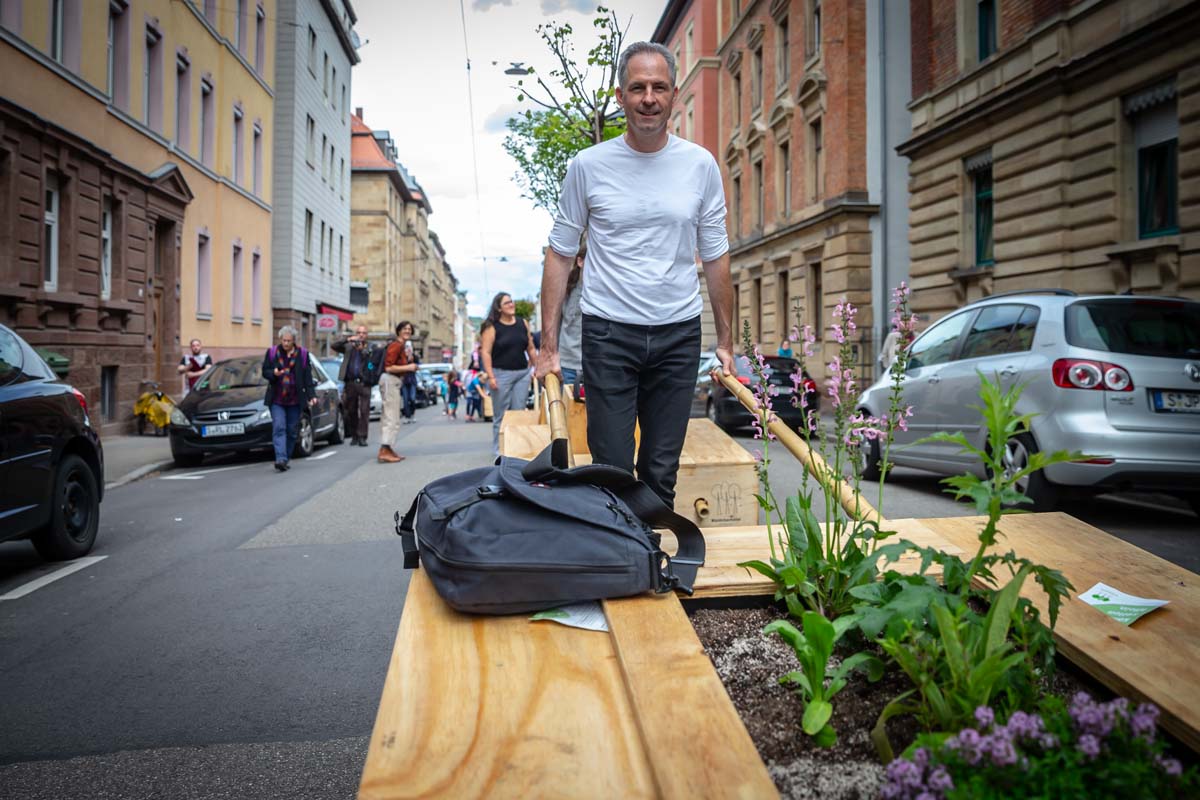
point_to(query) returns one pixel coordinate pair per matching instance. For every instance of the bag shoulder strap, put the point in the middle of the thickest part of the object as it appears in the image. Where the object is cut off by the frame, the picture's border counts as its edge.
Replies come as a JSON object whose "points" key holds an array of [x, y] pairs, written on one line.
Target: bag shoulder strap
{"points": [[675, 572]]}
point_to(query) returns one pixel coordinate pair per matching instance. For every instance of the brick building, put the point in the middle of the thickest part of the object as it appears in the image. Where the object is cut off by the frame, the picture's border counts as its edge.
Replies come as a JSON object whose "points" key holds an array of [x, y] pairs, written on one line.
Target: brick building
{"points": [[1054, 143]]}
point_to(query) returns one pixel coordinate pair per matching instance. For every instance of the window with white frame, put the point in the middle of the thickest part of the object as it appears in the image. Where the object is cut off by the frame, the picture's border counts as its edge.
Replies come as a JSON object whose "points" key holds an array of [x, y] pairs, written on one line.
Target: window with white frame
{"points": [[106, 240], [342, 178], [312, 51], [321, 250], [183, 103], [152, 88], [814, 28], [57, 27], [204, 277], [50, 231], [308, 234], [260, 40], [345, 116], [333, 82], [239, 159], [1154, 117], [342, 255], [783, 179], [310, 146], [238, 286], [257, 156], [325, 76], [756, 79], [256, 287], [324, 158], [782, 54], [239, 26], [329, 244], [207, 147]]}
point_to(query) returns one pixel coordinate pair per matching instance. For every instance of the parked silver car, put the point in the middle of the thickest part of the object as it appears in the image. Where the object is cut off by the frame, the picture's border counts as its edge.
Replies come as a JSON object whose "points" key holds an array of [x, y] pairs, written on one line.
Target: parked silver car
{"points": [[1117, 377]]}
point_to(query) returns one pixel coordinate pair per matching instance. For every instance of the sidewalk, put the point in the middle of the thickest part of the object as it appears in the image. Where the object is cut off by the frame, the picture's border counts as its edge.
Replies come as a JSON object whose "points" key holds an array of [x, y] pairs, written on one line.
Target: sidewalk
{"points": [[127, 458]]}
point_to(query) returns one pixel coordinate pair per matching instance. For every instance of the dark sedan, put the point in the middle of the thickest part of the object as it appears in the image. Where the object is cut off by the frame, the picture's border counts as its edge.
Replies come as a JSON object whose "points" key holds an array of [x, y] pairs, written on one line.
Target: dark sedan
{"points": [[714, 401], [226, 412], [51, 462]]}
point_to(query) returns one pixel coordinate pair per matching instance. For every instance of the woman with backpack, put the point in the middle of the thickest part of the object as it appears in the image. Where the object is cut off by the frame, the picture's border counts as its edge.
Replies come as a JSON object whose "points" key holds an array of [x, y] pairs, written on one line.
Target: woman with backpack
{"points": [[290, 389], [508, 353]]}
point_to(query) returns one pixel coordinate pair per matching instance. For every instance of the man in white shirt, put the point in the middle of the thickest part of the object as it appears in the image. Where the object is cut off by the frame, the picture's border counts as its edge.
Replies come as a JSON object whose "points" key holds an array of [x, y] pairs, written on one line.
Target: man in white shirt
{"points": [[649, 202]]}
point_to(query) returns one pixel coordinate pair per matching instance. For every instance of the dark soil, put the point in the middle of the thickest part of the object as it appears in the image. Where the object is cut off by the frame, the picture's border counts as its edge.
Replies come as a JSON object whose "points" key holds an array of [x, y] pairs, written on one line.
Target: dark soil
{"points": [[750, 665]]}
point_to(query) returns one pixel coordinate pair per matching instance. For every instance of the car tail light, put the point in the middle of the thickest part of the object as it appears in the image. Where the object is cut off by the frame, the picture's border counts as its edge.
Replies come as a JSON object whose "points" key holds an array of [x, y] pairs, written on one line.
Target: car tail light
{"points": [[1081, 373], [809, 385], [1101, 461], [82, 400]]}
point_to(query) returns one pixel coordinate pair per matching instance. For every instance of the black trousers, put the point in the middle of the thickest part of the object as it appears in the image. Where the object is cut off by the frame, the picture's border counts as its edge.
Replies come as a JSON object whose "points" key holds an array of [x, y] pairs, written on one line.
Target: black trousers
{"points": [[358, 409], [644, 374]]}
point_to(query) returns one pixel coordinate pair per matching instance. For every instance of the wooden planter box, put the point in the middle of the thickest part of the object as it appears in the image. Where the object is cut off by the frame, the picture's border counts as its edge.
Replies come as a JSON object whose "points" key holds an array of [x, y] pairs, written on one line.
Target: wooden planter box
{"points": [[714, 470], [502, 707]]}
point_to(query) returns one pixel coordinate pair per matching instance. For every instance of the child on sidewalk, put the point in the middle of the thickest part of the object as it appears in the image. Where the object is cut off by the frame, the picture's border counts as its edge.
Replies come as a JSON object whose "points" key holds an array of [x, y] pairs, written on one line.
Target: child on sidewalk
{"points": [[453, 389]]}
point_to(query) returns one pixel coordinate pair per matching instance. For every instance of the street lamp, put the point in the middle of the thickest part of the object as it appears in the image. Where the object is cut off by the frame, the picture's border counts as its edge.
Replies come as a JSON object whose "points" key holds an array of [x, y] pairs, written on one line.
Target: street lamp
{"points": [[518, 68]]}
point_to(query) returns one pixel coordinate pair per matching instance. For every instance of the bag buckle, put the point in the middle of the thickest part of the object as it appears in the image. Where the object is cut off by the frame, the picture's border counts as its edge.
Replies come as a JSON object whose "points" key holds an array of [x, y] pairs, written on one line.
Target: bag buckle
{"points": [[664, 577], [490, 492]]}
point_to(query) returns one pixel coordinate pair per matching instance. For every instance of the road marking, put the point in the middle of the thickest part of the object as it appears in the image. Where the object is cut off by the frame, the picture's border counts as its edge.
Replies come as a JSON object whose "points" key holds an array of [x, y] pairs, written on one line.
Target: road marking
{"points": [[196, 476], [38, 583], [326, 454]]}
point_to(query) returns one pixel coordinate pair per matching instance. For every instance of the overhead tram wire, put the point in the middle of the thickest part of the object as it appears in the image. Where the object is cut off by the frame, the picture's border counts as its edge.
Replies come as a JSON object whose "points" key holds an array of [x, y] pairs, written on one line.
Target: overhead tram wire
{"points": [[474, 156]]}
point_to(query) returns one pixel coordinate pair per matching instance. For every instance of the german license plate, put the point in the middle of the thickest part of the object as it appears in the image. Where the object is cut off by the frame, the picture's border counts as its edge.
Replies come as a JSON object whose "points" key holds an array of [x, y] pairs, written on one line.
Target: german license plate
{"points": [[227, 429], [1177, 402]]}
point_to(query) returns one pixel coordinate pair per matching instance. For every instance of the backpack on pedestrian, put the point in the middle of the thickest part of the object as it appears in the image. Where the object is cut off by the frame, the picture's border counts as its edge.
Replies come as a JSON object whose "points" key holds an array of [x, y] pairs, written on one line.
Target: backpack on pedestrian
{"points": [[523, 536], [372, 368]]}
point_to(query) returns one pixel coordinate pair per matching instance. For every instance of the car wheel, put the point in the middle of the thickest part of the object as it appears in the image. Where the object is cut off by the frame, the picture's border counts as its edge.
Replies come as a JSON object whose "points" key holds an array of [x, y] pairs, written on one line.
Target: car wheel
{"points": [[869, 466], [304, 438], [187, 459], [75, 517], [1034, 486], [339, 428]]}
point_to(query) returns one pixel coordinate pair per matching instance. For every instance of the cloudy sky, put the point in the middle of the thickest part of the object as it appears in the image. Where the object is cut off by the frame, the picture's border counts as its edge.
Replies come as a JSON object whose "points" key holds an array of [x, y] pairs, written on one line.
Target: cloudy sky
{"points": [[413, 82]]}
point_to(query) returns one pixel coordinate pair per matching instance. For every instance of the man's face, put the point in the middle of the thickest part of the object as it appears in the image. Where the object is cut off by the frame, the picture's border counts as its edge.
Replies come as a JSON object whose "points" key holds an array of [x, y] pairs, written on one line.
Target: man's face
{"points": [[361, 333], [196, 347], [648, 94], [287, 341]]}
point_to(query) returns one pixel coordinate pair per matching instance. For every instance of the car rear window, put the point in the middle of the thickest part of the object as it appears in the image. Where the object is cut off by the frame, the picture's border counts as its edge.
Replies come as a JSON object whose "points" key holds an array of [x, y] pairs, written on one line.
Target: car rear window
{"points": [[1149, 327]]}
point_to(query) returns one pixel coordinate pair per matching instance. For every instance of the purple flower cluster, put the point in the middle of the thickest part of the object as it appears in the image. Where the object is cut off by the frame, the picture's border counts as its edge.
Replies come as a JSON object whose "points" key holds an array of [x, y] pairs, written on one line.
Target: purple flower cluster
{"points": [[843, 321], [840, 382], [916, 779], [1095, 721], [998, 744], [763, 392]]}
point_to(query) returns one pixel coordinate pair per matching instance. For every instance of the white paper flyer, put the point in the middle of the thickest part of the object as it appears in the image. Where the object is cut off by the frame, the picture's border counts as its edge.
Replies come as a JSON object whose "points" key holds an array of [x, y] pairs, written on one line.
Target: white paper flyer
{"points": [[589, 616], [1124, 608]]}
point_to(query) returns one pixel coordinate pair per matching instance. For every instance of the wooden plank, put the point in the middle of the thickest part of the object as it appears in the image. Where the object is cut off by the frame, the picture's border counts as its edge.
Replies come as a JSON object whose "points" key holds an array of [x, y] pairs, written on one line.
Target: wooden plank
{"points": [[500, 707], [726, 547], [1157, 658], [699, 746]]}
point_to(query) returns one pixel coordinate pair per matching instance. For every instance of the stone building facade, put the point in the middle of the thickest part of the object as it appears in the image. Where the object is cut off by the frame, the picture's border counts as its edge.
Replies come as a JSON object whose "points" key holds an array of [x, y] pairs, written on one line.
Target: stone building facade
{"points": [[311, 221], [1054, 144], [393, 249], [135, 142]]}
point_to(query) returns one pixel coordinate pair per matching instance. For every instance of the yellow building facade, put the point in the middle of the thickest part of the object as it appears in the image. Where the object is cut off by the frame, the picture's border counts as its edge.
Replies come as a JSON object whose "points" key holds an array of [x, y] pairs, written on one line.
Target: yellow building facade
{"points": [[164, 91]]}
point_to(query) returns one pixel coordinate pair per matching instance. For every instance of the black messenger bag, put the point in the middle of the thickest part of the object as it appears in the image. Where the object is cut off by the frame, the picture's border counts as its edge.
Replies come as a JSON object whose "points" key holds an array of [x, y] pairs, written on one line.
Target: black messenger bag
{"points": [[527, 535]]}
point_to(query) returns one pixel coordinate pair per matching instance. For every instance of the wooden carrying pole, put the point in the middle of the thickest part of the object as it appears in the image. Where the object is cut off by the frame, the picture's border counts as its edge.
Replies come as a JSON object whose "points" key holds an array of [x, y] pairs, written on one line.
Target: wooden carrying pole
{"points": [[556, 413], [854, 503]]}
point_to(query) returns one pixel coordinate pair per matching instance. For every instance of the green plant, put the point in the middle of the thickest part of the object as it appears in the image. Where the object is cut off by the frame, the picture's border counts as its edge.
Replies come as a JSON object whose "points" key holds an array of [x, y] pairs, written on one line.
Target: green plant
{"points": [[814, 648], [814, 569], [957, 659]]}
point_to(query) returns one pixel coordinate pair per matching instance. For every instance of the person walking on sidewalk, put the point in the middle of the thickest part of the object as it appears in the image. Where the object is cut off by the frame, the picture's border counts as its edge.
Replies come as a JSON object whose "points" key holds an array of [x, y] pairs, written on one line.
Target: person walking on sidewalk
{"points": [[408, 384], [508, 351], [290, 389], [453, 390], [396, 363], [357, 377], [650, 202]]}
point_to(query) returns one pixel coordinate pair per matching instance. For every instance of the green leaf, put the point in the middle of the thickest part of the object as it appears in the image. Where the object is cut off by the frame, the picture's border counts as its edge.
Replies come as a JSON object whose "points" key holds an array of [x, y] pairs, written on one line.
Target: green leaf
{"points": [[999, 616], [762, 568], [816, 714], [819, 633], [948, 631], [786, 631], [865, 661], [879, 733], [826, 737]]}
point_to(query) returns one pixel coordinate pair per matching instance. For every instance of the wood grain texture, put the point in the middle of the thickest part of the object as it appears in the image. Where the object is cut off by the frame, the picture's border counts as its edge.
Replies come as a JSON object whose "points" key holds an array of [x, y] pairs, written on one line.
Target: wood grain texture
{"points": [[726, 547], [700, 747], [499, 707], [1155, 659]]}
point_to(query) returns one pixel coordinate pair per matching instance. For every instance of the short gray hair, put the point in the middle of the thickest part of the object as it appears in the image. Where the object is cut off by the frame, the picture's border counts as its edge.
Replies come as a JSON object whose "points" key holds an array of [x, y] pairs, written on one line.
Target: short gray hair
{"points": [[641, 48], [286, 330]]}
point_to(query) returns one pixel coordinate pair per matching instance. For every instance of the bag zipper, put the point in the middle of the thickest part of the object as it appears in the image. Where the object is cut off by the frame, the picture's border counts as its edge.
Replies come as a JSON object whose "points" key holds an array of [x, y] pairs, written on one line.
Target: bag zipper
{"points": [[491, 567]]}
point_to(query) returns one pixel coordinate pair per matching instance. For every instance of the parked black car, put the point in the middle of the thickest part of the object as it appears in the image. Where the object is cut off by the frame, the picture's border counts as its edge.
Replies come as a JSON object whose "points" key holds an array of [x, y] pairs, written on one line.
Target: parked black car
{"points": [[51, 461], [226, 412], [427, 389], [714, 401]]}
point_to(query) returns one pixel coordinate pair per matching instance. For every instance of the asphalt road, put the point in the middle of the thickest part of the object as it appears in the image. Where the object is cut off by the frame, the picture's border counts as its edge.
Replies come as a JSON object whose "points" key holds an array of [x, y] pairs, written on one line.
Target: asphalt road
{"points": [[233, 640]]}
